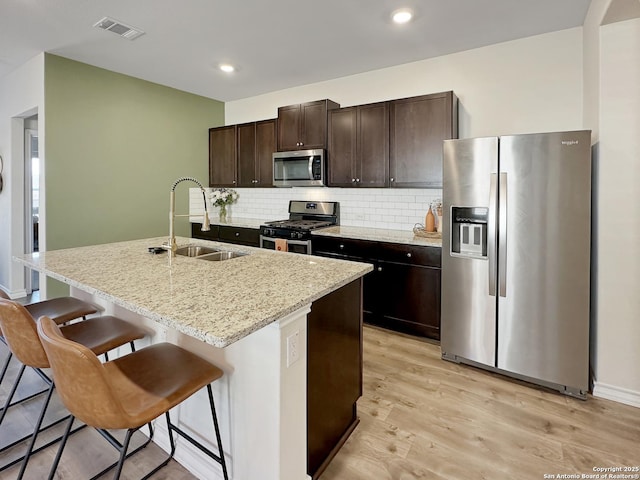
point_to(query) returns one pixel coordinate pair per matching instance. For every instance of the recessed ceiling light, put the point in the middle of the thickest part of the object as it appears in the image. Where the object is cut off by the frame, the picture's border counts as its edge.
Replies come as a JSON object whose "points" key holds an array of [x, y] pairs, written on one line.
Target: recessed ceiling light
{"points": [[402, 16], [225, 67]]}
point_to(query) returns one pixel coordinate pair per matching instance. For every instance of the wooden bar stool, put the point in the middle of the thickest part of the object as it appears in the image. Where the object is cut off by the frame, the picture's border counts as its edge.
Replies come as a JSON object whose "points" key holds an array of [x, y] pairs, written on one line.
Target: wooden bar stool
{"points": [[128, 392], [98, 335]]}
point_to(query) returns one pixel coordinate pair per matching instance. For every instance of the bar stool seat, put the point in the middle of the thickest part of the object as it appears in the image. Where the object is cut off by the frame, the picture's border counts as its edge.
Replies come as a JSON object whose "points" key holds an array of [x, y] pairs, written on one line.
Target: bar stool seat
{"points": [[100, 333], [153, 380], [61, 309], [130, 391]]}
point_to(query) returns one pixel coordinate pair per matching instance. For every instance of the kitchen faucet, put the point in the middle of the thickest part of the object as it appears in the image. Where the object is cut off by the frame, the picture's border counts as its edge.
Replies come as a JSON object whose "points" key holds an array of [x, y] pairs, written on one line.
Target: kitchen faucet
{"points": [[171, 244]]}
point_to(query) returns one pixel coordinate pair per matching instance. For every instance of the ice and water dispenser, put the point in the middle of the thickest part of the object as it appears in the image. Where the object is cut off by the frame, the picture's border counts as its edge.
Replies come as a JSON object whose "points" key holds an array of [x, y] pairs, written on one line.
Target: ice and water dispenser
{"points": [[469, 231]]}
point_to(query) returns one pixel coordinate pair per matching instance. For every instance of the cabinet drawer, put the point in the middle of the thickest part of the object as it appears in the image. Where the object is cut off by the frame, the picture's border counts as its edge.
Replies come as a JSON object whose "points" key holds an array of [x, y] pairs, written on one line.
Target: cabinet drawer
{"points": [[240, 235], [343, 247], [212, 234], [410, 254]]}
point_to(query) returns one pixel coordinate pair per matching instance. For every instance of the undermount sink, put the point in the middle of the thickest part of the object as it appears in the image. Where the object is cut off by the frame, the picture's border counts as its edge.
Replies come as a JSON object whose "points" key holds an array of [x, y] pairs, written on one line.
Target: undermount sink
{"points": [[222, 255], [195, 250]]}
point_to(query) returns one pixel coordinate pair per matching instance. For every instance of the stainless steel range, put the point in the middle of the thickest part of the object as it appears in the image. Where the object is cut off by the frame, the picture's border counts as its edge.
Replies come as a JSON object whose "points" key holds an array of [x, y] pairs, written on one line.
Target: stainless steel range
{"points": [[294, 233]]}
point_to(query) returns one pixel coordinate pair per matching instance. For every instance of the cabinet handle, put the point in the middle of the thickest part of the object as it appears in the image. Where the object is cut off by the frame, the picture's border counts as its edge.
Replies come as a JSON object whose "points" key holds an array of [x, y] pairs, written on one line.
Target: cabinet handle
{"points": [[353, 180], [301, 143], [392, 179], [237, 234], [234, 181], [409, 254], [379, 269], [357, 180], [341, 247]]}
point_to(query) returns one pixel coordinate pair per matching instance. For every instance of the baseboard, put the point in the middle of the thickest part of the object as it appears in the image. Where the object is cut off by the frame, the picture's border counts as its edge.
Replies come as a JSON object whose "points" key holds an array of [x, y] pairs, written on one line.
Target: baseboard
{"points": [[617, 394], [16, 293]]}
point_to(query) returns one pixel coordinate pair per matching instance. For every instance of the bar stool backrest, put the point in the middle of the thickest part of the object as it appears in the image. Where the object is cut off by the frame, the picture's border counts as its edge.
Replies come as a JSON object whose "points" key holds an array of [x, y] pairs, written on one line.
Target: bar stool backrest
{"points": [[80, 379], [20, 333]]}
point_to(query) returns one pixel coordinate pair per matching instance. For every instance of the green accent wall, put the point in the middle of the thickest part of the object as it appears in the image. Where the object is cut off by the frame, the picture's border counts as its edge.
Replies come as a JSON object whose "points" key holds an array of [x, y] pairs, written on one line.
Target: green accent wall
{"points": [[114, 145]]}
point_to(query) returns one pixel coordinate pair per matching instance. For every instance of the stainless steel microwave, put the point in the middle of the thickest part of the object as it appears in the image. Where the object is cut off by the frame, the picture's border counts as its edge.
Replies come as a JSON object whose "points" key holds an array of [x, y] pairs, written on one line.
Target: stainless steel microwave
{"points": [[300, 168]]}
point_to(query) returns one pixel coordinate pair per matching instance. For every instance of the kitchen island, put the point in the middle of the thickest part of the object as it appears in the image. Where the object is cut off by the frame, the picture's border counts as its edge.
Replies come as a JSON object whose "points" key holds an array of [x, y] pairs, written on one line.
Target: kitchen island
{"points": [[254, 317]]}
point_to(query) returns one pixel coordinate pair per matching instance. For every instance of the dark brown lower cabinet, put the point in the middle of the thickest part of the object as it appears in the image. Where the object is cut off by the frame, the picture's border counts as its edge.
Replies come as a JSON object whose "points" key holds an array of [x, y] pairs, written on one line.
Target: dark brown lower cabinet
{"points": [[334, 373], [228, 234], [403, 291], [407, 299]]}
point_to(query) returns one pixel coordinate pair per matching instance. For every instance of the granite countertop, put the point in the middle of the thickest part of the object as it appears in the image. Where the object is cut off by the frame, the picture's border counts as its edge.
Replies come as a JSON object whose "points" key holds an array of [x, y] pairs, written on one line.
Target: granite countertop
{"points": [[216, 302], [358, 233], [378, 235]]}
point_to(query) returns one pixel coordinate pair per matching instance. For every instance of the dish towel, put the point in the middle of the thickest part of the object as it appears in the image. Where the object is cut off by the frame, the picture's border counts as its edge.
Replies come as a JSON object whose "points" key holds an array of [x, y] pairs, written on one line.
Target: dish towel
{"points": [[281, 244]]}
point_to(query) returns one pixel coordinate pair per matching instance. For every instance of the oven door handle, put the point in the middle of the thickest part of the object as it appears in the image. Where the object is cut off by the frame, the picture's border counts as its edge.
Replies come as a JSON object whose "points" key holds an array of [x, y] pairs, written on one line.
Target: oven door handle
{"points": [[292, 242]]}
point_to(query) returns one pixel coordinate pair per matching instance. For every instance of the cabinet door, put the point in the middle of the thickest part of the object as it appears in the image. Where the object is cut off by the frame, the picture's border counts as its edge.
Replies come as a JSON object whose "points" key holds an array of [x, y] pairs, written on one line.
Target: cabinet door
{"points": [[246, 154], [409, 298], [265, 146], [417, 127], [222, 156], [288, 128], [372, 168], [313, 125], [342, 147]]}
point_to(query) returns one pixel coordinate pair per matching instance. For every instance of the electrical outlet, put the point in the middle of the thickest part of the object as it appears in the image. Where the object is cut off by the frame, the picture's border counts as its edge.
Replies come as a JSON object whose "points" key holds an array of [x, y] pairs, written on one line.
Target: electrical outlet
{"points": [[293, 348]]}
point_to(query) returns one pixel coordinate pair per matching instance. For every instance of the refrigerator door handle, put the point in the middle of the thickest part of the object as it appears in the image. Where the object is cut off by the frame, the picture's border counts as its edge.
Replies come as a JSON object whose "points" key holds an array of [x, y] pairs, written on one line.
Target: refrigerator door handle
{"points": [[491, 235], [502, 235]]}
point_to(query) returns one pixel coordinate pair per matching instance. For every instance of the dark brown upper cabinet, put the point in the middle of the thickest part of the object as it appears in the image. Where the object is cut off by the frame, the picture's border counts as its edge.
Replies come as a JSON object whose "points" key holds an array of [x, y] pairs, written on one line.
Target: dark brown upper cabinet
{"points": [[241, 155], [358, 148], [417, 127], [304, 126], [222, 156], [256, 144]]}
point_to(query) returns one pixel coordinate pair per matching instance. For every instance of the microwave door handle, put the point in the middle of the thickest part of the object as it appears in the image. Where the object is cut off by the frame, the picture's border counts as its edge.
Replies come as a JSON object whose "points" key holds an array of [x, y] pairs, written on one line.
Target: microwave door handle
{"points": [[311, 167]]}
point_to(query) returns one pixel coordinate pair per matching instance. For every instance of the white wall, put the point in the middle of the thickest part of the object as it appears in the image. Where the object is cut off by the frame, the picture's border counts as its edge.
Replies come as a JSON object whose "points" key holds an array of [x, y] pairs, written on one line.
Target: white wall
{"points": [[618, 237], [21, 95], [591, 48], [523, 86]]}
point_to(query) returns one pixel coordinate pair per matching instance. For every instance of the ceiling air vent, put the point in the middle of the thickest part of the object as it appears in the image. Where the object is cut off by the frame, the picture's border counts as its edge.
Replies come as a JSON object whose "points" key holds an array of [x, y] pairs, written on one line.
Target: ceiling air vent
{"points": [[119, 28]]}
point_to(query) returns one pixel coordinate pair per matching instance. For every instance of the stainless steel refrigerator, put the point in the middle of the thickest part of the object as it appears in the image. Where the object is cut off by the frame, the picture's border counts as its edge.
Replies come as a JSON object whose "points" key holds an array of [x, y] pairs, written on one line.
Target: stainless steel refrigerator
{"points": [[516, 256]]}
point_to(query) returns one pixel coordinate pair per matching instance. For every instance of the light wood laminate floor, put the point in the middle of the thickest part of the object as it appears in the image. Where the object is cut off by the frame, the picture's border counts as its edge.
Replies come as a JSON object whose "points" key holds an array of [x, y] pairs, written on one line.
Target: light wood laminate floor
{"points": [[423, 418]]}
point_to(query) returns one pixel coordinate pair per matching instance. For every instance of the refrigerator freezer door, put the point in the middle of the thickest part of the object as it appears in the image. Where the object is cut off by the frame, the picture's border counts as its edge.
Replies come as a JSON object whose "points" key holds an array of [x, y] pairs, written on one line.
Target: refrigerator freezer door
{"points": [[543, 319], [468, 312]]}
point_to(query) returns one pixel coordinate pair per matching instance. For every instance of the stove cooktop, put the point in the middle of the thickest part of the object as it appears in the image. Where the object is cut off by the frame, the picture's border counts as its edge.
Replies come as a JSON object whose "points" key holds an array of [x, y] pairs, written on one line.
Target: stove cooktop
{"points": [[304, 216], [299, 224]]}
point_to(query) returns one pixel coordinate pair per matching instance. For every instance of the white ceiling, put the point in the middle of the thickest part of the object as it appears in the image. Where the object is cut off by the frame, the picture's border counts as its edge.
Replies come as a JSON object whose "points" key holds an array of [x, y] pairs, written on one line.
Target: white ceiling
{"points": [[276, 44]]}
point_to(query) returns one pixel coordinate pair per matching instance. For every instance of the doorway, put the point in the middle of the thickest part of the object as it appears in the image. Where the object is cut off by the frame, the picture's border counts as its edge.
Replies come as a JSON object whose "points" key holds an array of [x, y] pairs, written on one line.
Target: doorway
{"points": [[32, 198]]}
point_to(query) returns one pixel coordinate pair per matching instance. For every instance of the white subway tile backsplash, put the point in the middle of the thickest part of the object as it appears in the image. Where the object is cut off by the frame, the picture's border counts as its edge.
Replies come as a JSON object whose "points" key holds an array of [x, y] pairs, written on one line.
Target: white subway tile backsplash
{"points": [[389, 208]]}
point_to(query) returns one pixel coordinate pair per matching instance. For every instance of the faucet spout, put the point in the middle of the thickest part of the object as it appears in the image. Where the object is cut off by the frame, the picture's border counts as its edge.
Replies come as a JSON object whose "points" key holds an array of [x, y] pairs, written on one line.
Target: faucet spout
{"points": [[206, 226]]}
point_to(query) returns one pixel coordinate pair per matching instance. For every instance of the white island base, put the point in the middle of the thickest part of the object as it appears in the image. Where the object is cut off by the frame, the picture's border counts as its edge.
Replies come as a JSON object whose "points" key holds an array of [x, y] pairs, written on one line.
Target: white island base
{"points": [[260, 401]]}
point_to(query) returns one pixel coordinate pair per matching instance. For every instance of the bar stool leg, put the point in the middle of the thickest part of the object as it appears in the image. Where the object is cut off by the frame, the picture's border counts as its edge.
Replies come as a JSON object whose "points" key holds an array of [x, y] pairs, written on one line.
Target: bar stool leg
{"points": [[123, 453], [12, 393], [218, 439], [6, 366], [63, 443], [36, 430]]}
